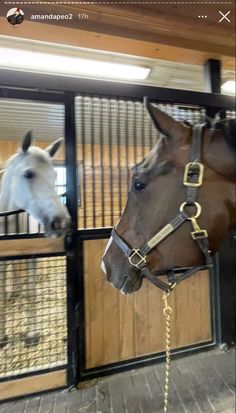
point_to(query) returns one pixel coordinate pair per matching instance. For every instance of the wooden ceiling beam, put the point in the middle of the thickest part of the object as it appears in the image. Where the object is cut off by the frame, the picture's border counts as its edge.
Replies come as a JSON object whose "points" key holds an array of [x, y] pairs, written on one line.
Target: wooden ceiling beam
{"points": [[121, 44]]}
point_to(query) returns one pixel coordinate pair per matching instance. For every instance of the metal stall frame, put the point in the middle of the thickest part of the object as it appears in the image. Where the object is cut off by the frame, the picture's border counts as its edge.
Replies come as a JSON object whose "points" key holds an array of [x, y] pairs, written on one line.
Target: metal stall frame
{"points": [[20, 85], [66, 99]]}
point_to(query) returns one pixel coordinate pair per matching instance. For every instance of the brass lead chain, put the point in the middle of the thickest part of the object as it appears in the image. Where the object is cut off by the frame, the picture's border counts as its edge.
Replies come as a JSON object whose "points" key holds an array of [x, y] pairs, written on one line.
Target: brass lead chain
{"points": [[167, 311]]}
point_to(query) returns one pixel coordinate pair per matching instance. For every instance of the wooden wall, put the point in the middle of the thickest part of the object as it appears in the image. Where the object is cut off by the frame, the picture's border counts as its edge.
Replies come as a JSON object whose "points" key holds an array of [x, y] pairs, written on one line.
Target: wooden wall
{"points": [[119, 327]]}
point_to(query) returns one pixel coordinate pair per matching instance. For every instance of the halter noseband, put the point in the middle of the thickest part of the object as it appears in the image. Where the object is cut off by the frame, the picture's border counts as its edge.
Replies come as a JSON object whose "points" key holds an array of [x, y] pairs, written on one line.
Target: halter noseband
{"points": [[193, 177]]}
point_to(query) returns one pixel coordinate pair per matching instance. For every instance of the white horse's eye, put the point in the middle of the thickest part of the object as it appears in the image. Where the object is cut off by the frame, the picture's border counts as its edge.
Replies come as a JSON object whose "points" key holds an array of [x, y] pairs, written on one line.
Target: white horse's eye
{"points": [[29, 174]]}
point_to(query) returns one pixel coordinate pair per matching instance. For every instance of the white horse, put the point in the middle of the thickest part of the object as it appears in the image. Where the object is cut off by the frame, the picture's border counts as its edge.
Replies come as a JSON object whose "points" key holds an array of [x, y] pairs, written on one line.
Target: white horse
{"points": [[28, 183]]}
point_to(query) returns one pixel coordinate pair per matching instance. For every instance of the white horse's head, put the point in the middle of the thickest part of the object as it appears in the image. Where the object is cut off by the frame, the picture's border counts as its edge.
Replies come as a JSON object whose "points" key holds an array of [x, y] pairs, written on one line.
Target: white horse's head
{"points": [[28, 183]]}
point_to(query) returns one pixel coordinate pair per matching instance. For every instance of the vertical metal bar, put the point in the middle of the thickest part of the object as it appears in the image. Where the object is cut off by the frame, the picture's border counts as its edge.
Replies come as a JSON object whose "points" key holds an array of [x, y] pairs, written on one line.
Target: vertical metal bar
{"points": [[82, 129], [101, 145], [110, 161], [28, 223], [71, 158], [151, 133], [126, 117], [92, 161], [226, 260], [71, 241], [134, 131], [117, 123], [5, 225], [17, 223], [215, 302], [212, 75], [149, 125], [142, 128]]}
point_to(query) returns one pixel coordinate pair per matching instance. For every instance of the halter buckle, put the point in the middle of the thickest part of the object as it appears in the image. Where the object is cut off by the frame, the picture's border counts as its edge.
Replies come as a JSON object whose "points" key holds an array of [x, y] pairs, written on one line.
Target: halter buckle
{"points": [[198, 170], [136, 258]]}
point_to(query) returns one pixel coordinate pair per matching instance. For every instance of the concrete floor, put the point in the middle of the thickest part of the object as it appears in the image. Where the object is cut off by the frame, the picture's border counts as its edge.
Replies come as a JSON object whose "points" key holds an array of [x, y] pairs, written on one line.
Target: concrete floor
{"points": [[203, 383]]}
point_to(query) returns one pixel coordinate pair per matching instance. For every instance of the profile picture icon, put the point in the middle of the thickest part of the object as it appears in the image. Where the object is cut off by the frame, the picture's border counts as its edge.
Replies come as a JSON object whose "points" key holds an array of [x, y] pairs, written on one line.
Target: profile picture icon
{"points": [[15, 16]]}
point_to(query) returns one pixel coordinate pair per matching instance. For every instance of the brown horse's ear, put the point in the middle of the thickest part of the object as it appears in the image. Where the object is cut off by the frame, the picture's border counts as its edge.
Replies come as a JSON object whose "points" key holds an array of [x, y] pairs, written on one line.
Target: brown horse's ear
{"points": [[53, 148], [27, 141], [165, 123]]}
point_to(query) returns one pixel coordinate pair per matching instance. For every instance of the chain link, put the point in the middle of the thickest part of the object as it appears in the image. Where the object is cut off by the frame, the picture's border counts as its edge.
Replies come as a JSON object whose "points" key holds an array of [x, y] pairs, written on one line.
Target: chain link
{"points": [[167, 311]]}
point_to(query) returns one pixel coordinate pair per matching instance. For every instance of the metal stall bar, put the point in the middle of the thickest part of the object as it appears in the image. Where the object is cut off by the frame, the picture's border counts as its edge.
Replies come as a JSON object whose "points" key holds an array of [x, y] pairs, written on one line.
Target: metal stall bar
{"points": [[126, 147], [119, 175], [92, 126], [101, 143], [108, 89], [111, 180], [83, 140], [71, 238]]}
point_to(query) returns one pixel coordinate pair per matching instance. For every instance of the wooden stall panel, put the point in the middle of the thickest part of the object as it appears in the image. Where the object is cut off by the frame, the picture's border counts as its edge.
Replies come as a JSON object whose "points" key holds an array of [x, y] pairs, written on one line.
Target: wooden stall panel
{"points": [[119, 327], [29, 385], [13, 247]]}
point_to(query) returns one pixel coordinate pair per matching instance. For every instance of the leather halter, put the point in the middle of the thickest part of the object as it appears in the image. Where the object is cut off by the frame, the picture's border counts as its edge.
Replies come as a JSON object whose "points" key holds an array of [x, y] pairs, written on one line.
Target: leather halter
{"points": [[193, 177]]}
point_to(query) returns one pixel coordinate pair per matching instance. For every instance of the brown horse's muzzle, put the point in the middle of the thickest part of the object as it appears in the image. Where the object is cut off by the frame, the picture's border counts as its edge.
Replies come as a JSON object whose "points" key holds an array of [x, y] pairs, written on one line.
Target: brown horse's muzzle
{"points": [[122, 276]]}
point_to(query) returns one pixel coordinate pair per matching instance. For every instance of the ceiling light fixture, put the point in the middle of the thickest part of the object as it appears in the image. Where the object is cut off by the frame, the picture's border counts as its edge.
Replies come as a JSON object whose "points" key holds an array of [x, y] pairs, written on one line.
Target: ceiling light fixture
{"points": [[69, 66], [229, 87]]}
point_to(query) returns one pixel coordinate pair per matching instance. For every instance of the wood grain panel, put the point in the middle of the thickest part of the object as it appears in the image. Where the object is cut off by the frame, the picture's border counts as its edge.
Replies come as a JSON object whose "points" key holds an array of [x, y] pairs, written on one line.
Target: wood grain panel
{"points": [[155, 31], [31, 246], [122, 327], [28, 385]]}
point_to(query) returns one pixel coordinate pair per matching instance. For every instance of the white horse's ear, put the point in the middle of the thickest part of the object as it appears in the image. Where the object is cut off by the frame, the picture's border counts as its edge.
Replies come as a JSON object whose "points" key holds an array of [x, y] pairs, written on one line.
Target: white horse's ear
{"points": [[27, 141], [53, 148]]}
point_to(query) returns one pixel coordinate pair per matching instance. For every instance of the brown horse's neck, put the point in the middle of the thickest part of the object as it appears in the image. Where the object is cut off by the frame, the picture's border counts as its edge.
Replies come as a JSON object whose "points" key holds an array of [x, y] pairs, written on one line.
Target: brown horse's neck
{"points": [[218, 155]]}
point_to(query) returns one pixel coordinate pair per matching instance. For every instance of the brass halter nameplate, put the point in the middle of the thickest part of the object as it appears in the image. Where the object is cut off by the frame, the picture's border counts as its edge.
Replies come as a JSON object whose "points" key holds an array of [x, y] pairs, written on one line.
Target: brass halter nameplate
{"points": [[162, 234]]}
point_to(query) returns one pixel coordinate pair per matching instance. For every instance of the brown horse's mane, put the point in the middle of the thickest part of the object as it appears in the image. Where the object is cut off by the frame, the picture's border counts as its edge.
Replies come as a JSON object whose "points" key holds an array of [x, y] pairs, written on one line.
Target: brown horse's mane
{"points": [[228, 129], [226, 126]]}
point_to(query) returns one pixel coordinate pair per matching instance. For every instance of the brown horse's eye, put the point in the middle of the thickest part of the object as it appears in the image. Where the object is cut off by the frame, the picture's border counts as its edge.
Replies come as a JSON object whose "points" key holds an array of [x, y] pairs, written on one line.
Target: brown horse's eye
{"points": [[139, 186], [29, 174]]}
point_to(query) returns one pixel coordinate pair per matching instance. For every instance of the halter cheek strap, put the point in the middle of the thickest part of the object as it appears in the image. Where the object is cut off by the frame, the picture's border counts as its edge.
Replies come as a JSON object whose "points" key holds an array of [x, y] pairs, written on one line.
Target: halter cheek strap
{"points": [[193, 177]]}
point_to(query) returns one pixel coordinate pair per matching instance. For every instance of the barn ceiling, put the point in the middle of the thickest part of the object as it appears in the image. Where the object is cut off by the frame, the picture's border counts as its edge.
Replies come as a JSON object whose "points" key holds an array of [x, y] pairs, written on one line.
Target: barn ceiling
{"points": [[171, 31], [170, 39]]}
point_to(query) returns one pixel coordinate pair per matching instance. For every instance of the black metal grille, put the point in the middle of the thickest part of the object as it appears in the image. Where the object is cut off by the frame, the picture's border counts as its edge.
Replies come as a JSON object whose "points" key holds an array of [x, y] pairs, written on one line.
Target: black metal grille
{"points": [[113, 135], [18, 223], [33, 315]]}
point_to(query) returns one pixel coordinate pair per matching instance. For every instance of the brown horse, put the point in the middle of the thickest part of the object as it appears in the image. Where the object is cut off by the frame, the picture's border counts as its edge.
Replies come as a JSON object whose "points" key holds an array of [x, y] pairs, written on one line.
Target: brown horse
{"points": [[161, 183]]}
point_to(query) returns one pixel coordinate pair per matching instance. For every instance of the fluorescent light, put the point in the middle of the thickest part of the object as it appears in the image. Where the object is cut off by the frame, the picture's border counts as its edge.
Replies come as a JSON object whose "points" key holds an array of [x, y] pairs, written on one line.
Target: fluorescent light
{"points": [[229, 87], [69, 66]]}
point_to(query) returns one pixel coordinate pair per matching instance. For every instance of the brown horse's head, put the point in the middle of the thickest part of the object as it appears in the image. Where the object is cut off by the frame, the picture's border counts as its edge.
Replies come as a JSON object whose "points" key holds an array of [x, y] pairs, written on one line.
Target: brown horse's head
{"points": [[157, 192]]}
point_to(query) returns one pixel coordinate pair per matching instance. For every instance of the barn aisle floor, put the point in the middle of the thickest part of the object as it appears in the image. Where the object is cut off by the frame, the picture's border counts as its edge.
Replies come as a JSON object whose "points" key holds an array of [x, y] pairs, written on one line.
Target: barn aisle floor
{"points": [[203, 383]]}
